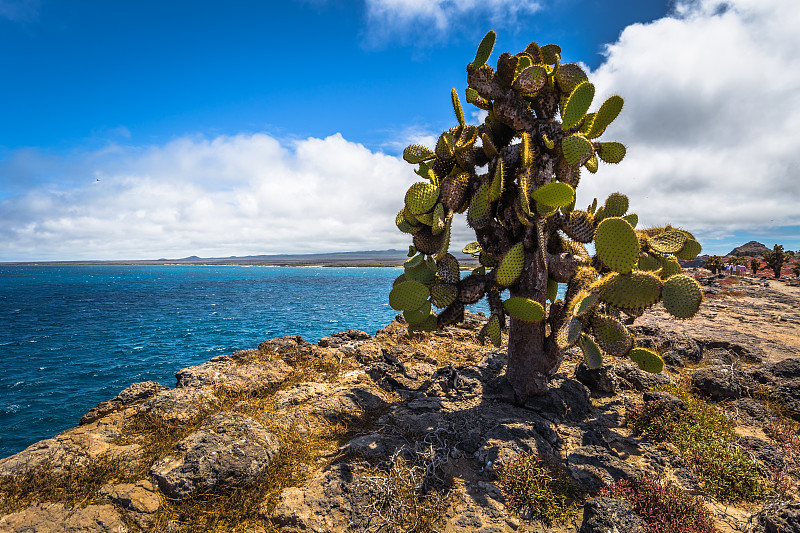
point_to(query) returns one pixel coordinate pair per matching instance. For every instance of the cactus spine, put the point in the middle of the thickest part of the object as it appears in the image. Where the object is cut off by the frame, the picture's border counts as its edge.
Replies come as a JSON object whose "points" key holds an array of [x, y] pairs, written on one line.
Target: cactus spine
{"points": [[538, 135]]}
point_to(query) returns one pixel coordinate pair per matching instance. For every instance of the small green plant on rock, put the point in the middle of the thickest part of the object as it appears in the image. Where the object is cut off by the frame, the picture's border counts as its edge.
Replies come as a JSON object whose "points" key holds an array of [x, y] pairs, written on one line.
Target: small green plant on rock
{"points": [[537, 138], [534, 485], [663, 507], [704, 440]]}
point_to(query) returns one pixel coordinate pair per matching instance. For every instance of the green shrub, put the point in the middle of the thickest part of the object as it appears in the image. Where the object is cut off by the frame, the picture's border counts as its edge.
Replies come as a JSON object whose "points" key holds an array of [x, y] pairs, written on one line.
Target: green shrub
{"points": [[704, 440], [663, 507], [537, 486]]}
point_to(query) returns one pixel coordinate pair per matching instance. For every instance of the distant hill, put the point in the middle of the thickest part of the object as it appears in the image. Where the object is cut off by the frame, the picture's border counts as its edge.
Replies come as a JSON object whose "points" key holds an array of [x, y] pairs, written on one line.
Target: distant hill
{"points": [[369, 257], [752, 248]]}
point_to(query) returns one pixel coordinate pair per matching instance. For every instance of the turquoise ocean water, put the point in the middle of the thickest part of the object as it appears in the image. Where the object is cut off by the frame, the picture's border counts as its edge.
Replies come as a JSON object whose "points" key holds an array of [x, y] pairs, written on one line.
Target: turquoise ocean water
{"points": [[74, 335]]}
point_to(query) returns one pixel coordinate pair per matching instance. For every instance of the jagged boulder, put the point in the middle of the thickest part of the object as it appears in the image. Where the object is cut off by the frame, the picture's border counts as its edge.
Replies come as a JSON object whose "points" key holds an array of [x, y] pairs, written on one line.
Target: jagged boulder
{"points": [[594, 467], [180, 406], [137, 392], [224, 372], [782, 520], [604, 515], [229, 450]]}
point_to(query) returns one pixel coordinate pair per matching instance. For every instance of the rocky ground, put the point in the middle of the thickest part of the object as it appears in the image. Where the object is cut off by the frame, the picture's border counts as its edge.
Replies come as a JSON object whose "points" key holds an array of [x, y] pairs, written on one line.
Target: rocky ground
{"points": [[398, 433]]}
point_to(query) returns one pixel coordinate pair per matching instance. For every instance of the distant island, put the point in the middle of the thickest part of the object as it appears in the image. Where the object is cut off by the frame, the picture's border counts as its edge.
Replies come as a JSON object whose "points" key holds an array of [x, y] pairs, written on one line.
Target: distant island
{"points": [[343, 259]]}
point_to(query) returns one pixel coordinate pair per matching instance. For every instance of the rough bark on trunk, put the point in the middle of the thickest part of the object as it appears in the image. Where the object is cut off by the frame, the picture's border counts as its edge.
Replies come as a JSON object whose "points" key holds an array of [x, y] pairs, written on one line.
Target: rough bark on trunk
{"points": [[532, 360]]}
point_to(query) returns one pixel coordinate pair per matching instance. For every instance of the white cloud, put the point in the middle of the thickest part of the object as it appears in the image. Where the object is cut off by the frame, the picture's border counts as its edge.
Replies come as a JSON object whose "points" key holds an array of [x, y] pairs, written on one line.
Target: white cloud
{"points": [[247, 194], [712, 103], [430, 19]]}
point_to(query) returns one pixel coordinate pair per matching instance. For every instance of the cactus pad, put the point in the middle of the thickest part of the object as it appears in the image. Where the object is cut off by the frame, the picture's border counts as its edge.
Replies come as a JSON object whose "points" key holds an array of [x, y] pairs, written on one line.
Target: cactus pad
{"points": [[438, 219], [669, 267], [492, 330], [550, 53], [408, 295], [431, 323], [591, 352], [611, 152], [417, 316], [524, 309], [480, 209], [605, 116], [484, 49], [635, 290], [511, 266], [690, 250], [469, 134], [632, 219], [569, 333], [616, 205], [426, 242], [454, 191], [443, 294], [682, 296], [457, 106], [569, 75], [592, 164], [554, 194], [531, 79], [404, 225], [477, 100], [612, 335], [416, 153], [552, 289], [577, 105], [579, 226], [668, 242], [617, 245], [647, 360], [421, 197], [444, 244], [448, 270], [649, 262], [420, 272], [472, 248], [496, 190], [574, 148], [526, 150], [488, 146], [585, 302]]}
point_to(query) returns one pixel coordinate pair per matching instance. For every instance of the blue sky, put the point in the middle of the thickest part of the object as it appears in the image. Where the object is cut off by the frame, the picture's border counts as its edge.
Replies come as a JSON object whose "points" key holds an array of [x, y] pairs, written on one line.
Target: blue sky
{"points": [[139, 129]]}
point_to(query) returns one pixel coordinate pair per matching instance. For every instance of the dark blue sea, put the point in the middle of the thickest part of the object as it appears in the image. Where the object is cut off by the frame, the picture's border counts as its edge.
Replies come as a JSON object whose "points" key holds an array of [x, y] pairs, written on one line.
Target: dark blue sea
{"points": [[74, 335]]}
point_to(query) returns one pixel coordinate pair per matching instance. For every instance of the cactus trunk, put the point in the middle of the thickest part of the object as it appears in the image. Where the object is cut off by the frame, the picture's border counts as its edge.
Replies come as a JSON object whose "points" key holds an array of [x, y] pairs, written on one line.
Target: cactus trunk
{"points": [[530, 363]]}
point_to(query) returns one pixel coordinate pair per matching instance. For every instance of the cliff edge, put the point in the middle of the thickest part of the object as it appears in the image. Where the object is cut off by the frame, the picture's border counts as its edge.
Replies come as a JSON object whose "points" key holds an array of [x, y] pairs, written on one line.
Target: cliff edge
{"points": [[395, 433]]}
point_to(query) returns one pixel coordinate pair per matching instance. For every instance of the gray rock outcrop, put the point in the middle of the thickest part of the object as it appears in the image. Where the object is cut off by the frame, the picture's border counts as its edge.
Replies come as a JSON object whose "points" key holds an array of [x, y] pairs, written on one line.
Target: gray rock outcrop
{"points": [[228, 450], [604, 515]]}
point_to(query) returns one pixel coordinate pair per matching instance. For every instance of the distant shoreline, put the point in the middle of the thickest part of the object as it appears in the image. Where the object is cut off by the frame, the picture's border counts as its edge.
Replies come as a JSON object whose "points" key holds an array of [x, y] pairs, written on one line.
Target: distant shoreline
{"points": [[364, 259]]}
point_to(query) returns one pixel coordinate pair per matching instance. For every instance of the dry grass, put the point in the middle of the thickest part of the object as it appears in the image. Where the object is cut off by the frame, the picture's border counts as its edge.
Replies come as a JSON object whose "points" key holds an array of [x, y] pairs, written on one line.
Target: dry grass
{"points": [[74, 484], [240, 508]]}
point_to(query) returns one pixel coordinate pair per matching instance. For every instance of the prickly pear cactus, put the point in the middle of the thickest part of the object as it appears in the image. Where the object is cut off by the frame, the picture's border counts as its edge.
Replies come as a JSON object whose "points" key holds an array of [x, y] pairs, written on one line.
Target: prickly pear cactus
{"points": [[774, 259], [539, 135]]}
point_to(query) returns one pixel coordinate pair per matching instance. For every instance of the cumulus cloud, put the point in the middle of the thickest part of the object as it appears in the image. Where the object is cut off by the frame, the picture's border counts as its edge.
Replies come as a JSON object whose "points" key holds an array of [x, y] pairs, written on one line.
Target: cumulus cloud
{"points": [[712, 100], [402, 19], [247, 194]]}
